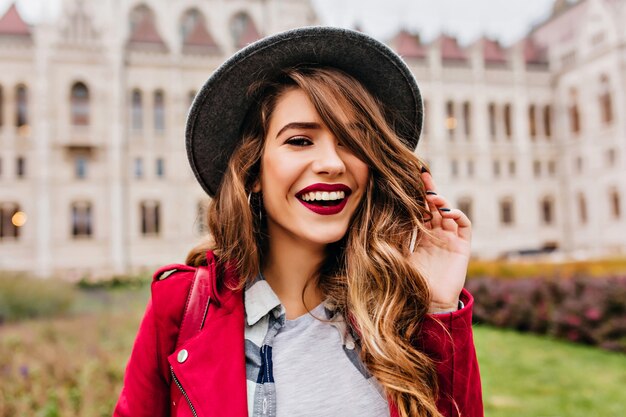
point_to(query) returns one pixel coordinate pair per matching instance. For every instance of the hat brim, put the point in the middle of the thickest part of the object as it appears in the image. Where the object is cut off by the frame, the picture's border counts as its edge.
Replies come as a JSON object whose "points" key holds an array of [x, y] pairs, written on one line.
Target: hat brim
{"points": [[220, 107]]}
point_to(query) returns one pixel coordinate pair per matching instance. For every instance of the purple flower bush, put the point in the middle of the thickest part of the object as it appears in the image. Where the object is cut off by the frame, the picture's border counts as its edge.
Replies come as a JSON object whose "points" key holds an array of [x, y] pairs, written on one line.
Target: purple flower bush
{"points": [[581, 309]]}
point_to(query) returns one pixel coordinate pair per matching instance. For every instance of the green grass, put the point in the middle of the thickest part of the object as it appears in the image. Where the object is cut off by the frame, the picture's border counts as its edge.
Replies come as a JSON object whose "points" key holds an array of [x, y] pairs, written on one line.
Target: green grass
{"points": [[533, 376], [72, 366]]}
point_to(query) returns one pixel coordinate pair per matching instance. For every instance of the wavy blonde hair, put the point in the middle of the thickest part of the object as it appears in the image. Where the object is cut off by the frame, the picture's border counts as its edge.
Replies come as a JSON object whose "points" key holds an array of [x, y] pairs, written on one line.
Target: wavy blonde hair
{"points": [[367, 274]]}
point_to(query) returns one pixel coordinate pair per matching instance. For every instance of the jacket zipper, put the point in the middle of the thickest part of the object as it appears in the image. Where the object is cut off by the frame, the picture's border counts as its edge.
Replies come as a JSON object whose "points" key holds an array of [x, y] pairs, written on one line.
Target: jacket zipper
{"points": [[180, 387]]}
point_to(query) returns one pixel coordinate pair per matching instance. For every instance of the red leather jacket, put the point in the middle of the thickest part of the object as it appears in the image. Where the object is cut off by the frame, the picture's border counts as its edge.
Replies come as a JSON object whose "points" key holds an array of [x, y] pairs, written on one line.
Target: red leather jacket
{"points": [[211, 381]]}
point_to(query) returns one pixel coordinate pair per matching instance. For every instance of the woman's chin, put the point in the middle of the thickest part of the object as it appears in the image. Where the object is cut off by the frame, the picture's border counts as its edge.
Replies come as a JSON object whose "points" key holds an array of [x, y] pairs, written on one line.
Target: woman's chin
{"points": [[326, 238]]}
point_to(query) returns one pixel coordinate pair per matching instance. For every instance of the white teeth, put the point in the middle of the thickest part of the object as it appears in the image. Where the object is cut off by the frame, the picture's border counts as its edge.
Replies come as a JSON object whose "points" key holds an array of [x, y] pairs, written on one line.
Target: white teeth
{"points": [[323, 195]]}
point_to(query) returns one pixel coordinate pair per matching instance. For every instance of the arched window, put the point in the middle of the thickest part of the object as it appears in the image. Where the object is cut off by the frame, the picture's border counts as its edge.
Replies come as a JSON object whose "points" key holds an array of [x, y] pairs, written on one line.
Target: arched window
{"points": [[467, 119], [574, 115], [454, 168], [492, 120], [20, 167], [79, 103], [243, 30], [547, 121], [506, 212], [470, 168], [190, 20], [136, 111], [496, 168], [606, 103], [615, 203], [547, 210], [160, 168], [159, 111], [82, 219], [141, 15], [150, 217], [21, 96], [532, 121], [138, 168], [537, 168], [143, 33], [508, 126], [11, 220], [582, 208], [195, 36], [465, 205], [80, 166], [512, 167], [450, 119], [611, 157]]}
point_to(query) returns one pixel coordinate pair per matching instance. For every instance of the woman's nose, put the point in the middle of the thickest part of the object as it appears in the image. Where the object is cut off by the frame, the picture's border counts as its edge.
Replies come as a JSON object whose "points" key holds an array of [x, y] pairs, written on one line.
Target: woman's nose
{"points": [[328, 160]]}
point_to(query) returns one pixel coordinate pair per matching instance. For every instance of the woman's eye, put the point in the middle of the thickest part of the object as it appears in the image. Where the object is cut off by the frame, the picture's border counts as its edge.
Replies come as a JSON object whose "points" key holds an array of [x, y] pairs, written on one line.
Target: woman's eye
{"points": [[298, 141]]}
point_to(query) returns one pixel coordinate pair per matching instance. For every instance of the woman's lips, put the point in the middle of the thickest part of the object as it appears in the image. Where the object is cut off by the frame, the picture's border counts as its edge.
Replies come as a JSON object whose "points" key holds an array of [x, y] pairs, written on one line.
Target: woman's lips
{"points": [[313, 196]]}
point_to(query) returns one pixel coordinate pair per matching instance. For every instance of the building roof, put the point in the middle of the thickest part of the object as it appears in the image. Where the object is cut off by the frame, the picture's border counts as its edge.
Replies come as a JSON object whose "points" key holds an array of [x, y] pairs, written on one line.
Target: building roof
{"points": [[408, 45], [450, 49], [200, 41], [533, 53], [13, 24], [146, 32], [200, 36], [493, 52]]}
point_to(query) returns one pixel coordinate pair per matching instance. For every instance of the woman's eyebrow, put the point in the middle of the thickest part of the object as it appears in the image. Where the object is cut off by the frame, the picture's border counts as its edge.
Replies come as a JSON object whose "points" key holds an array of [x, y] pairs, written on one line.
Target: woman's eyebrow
{"points": [[299, 125]]}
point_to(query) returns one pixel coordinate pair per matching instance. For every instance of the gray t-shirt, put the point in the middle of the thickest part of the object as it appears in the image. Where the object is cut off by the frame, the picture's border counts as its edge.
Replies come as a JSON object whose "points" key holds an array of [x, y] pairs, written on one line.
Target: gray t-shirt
{"points": [[317, 375]]}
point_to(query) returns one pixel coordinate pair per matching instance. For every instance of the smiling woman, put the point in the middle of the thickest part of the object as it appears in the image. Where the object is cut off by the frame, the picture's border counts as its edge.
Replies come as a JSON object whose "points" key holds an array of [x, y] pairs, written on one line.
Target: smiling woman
{"points": [[302, 158], [333, 272]]}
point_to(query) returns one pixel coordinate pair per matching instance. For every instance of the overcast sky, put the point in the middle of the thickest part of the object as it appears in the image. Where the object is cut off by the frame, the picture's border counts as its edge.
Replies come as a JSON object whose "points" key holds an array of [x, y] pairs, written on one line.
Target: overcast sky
{"points": [[507, 20]]}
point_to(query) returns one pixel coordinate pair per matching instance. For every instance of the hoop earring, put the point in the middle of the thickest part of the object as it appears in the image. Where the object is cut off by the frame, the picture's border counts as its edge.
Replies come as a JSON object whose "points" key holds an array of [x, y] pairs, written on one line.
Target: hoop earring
{"points": [[260, 212], [413, 240]]}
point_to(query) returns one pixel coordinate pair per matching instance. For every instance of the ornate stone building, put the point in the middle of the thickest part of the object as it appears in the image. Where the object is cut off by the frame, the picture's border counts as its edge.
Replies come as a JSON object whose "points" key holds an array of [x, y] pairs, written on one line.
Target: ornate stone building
{"points": [[529, 140]]}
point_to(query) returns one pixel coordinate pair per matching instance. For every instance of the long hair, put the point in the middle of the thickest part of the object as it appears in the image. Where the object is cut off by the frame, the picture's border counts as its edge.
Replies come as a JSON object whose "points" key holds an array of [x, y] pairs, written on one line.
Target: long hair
{"points": [[367, 274]]}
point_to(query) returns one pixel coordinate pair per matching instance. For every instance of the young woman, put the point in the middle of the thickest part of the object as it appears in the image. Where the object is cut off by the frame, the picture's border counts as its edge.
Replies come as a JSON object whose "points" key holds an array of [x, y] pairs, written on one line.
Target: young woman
{"points": [[336, 272]]}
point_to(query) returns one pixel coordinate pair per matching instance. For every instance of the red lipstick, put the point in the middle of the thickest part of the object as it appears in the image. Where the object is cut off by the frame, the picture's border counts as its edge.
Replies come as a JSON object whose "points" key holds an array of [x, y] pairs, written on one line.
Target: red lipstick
{"points": [[325, 209]]}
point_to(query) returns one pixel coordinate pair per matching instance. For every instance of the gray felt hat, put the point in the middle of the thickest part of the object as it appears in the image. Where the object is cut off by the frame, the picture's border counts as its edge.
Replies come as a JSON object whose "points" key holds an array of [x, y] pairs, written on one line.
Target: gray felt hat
{"points": [[216, 116]]}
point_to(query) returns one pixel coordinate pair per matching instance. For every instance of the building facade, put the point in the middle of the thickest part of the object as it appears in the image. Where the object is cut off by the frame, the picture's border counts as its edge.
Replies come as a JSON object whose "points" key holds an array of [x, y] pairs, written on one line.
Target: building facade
{"points": [[528, 140]]}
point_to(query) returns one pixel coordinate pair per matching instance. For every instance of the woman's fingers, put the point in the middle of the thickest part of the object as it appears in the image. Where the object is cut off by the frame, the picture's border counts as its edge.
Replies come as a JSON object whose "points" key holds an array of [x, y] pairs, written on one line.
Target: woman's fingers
{"points": [[427, 179], [440, 208], [431, 200], [449, 218], [462, 223]]}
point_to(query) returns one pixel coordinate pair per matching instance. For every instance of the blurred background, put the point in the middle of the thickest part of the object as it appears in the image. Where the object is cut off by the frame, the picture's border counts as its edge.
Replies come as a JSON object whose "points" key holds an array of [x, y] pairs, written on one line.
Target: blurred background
{"points": [[524, 131]]}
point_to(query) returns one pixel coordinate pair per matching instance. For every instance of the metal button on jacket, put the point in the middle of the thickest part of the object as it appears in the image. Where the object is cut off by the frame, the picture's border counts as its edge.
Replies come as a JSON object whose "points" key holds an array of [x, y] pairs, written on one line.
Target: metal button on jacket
{"points": [[182, 356]]}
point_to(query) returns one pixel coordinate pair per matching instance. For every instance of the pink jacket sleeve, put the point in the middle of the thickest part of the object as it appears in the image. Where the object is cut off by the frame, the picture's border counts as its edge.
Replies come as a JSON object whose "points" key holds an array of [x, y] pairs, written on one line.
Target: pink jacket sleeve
{"points": [[448, 340]]}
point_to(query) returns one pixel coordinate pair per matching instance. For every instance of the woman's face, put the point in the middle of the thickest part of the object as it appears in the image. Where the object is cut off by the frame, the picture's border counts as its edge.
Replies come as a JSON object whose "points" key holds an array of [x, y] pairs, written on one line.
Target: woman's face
{"points": [[311, 184]]}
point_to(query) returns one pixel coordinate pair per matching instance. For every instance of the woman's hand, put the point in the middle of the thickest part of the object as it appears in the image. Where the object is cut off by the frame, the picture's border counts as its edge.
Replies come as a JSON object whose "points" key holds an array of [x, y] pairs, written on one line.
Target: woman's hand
{"points": [[443, 262]]}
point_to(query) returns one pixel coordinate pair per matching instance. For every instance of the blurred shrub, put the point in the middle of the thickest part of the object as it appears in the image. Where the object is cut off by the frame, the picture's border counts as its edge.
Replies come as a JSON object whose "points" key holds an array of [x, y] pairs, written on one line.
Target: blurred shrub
{"points": [[122, 282], [509, 269], [582, 309], [23, 296]]}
